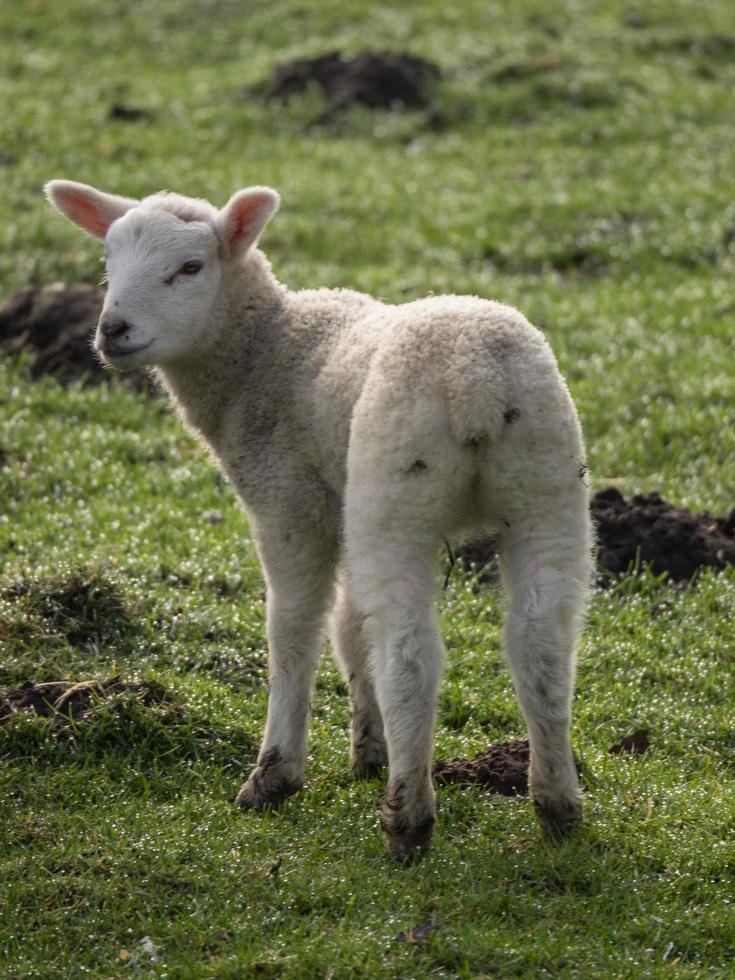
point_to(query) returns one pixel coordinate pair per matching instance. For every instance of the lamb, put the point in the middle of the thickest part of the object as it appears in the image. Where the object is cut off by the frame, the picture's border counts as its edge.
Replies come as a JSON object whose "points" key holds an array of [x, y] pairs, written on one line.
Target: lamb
{"points": [[358, 436]]}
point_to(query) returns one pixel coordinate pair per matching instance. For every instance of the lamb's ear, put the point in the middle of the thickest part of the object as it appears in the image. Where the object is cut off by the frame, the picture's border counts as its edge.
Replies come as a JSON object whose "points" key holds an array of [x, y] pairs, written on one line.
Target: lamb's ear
{"points": [[92, 210], [245, 215]]}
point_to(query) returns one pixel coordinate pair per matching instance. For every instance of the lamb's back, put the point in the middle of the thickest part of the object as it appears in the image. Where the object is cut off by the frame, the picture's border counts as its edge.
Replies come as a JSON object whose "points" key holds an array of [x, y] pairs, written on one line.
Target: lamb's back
{"points": [[475, 356]]}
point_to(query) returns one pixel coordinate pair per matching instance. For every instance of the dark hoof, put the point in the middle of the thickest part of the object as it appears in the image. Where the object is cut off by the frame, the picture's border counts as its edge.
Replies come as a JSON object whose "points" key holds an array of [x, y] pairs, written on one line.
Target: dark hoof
{"points": [[368, 768], [369, 753], [266, 788], [558, 818], [405, 840]]}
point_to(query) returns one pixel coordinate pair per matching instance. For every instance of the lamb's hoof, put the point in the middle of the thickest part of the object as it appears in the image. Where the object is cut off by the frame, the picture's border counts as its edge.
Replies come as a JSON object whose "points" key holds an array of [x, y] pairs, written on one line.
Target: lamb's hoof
{"points": [[405, 839], [369, 752], [558, 817], [367, 770], [369, 765], [267, 786]]}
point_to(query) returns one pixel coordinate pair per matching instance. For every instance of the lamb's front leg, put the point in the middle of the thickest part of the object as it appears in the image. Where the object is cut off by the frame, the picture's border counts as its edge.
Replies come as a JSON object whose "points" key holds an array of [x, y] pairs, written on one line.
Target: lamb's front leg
{"points": [[300, 579]]}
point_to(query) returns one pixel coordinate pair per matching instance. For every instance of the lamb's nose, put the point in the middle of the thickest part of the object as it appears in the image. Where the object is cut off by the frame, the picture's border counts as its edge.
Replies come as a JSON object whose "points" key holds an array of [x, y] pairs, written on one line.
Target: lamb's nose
{"points": [[112, 328]]}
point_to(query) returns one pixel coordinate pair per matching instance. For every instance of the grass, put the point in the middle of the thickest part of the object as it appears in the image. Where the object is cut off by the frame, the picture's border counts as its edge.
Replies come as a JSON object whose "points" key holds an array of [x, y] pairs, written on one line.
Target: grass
{"points": [[580, 169]]}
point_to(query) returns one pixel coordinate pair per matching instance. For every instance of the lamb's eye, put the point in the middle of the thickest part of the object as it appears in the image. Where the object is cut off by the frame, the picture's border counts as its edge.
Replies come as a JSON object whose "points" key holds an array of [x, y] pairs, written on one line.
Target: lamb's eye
{"points": [[190, 268]]}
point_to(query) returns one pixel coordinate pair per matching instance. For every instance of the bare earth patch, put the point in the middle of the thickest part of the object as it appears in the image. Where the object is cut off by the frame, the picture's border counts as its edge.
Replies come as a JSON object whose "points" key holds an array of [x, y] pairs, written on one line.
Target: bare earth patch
{"points": [[76, 700], [503, 768], [376, 79], [56, 322], [649, 530], [636, 743]]}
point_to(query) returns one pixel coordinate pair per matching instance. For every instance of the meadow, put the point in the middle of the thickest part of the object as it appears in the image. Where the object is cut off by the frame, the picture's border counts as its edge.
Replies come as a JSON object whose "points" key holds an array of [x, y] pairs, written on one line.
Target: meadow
{"points": [[576, 161]]}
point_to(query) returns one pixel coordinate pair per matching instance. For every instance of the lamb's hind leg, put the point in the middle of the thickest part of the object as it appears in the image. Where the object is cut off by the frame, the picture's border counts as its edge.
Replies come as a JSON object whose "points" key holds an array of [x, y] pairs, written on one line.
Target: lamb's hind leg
{"points": [[546, 567], [406, 477], [352, 650], [395, 589]]}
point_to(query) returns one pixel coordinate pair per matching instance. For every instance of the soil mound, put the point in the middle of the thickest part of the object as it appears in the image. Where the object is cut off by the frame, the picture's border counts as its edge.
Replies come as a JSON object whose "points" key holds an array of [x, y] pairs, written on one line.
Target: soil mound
{"points": [[71, 700], [649, 530], [378, 80], [56, 322], [503, 767], [636, 743], [644, 530]]}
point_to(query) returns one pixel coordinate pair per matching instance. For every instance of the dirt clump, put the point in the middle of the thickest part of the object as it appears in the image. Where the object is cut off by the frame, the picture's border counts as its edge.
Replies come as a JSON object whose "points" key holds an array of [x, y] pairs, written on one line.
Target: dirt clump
{"points": [[503, 768], [376, 79], [643, 530], [636, 743], [39, 698], [56, 322], [75, 700], [648, 530], [417, 933], [129, 113]]}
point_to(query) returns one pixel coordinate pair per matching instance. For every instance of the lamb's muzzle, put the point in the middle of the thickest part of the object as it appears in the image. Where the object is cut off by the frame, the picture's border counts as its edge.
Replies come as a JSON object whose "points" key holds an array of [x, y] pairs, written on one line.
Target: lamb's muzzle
{"points": [[353, 473], [113, 329]]}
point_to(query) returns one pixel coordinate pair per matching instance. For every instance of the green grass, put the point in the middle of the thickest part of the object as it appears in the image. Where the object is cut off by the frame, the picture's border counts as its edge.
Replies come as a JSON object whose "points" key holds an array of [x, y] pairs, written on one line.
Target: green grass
{"points": [[581, 170]]}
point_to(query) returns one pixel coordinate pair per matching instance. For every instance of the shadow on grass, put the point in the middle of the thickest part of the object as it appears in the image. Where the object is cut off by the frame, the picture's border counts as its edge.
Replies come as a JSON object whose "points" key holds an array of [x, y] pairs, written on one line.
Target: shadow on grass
{"points": [[123, 728], [82, 607]]}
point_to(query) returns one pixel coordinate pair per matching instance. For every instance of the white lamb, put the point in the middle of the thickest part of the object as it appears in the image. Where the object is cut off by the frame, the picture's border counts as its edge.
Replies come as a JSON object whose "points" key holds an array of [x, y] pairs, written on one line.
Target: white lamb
{"points": [[358, 436]]}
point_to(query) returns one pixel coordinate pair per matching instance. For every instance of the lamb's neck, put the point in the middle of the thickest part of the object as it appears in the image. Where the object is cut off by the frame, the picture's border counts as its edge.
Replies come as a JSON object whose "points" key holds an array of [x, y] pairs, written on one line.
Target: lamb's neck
{"points": [[243, 326]]}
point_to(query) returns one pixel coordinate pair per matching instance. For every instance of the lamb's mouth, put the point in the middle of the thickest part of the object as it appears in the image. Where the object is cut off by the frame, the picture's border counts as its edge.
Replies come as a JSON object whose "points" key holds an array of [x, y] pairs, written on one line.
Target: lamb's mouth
{"points": [[119, 353]]}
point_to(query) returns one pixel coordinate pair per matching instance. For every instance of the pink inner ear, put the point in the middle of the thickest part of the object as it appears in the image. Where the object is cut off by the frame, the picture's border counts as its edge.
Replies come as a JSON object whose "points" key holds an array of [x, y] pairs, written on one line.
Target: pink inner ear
{"points": [[90, 216], [241, 219]]}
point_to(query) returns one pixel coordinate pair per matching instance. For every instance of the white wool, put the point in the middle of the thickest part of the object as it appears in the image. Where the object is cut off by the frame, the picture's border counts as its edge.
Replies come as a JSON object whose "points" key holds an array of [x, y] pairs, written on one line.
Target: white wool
{"points": [[359, 436]]}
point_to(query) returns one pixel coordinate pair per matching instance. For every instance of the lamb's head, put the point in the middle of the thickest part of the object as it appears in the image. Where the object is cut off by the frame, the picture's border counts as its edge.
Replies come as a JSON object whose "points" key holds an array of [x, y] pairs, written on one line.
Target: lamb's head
{"points": [[166, 256]]}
